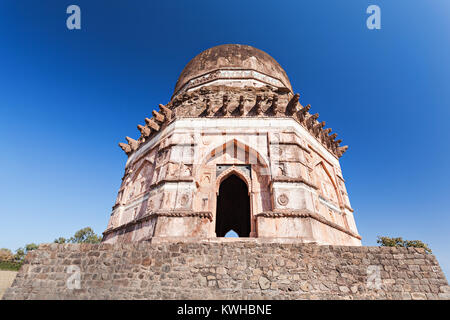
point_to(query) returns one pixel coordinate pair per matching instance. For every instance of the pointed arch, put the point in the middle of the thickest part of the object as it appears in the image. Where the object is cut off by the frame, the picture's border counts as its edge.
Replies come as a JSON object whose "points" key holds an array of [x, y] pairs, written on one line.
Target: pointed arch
{"points": [[145, 163], [138, 183], [321, 167], [324, 167], [233, 171], [239, 150], [231, 234]]}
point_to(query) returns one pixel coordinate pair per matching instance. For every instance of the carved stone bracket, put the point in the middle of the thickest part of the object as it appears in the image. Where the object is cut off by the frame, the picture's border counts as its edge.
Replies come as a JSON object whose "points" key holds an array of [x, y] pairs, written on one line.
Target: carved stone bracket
{"points": [[232, 103]]}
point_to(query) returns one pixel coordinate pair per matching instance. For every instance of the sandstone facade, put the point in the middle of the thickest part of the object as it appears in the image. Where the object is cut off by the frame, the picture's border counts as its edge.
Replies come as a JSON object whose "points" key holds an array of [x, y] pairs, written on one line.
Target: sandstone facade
{"points": [[252, 269], [233, 113]]}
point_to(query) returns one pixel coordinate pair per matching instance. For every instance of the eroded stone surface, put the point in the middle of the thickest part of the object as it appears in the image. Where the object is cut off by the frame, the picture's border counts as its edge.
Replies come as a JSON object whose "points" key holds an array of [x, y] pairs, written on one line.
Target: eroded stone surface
{"points": [[233, 113]]}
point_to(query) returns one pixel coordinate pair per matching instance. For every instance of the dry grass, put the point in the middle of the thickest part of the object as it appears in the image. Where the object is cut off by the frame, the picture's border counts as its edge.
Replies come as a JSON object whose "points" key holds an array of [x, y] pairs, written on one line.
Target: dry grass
{"points": [[6, 279]]}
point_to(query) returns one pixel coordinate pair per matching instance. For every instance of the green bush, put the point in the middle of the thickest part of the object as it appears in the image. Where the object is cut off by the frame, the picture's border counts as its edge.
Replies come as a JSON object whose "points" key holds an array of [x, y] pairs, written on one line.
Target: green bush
{"points": [[399, 242], [85, 235], [10, 265]]}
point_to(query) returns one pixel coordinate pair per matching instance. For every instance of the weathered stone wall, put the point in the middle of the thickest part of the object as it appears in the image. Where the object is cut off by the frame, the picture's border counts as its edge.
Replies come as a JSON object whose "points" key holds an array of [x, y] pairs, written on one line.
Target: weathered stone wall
{"points": [[234, 269]]}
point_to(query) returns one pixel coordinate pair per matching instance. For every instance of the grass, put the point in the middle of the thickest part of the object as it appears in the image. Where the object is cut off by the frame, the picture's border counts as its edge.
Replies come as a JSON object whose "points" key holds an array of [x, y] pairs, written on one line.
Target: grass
{"points": [[10, 266]]}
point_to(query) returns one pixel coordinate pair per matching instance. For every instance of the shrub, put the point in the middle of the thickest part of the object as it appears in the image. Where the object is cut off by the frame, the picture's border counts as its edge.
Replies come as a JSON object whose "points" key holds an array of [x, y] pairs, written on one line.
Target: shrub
{"points": [[10, 265], [399, 242], [6, 255]]}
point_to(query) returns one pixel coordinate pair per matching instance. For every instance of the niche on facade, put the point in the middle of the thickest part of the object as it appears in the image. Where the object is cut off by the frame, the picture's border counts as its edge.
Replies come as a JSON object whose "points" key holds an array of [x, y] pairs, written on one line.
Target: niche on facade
{"points": [[233, 207]]}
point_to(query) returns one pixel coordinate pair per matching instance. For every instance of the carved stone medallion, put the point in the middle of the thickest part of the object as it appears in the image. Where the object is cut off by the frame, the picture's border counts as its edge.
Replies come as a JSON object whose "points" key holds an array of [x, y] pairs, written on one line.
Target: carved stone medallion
{"points": [[283, 199]]}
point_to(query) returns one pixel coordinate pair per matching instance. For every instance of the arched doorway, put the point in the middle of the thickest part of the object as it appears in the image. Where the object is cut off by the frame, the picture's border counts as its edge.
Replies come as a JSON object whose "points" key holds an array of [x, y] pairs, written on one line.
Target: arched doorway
{"points": [[233, 207]]}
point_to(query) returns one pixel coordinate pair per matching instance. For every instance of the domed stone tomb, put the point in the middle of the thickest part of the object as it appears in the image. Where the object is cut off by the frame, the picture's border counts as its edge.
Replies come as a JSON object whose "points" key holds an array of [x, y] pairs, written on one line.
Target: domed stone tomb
{"points": [[233, 149]]}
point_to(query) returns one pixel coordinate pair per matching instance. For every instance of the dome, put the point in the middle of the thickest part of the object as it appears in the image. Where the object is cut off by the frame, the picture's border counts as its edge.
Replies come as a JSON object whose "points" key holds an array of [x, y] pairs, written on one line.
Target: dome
{"points": [[232, 61]]}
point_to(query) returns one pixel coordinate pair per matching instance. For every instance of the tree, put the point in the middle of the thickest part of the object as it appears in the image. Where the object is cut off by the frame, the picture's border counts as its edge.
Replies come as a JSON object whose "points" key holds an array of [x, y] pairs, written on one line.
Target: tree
{"points": [[61, 240], [7, 260], [399, 242], [85, 235], [22, 252], [6, 255]]}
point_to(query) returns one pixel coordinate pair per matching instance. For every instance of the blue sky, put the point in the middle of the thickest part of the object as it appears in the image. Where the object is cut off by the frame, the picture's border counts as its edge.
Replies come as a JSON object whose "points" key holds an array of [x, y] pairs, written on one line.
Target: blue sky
{"points": [[68, 97]]}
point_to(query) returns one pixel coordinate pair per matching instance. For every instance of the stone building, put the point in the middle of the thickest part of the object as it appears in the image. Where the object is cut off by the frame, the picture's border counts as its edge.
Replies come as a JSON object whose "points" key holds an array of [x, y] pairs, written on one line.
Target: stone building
{"points": [[233, 149]]}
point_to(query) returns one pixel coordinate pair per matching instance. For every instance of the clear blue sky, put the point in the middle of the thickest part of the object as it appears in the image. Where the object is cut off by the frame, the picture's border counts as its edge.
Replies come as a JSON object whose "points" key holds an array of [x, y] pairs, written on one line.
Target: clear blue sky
{"points": [[68, 97]]}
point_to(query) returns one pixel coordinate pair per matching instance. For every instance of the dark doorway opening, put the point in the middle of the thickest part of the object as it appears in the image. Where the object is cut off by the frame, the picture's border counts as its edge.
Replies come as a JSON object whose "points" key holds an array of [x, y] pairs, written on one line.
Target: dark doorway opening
{"points": [[233, 207]]}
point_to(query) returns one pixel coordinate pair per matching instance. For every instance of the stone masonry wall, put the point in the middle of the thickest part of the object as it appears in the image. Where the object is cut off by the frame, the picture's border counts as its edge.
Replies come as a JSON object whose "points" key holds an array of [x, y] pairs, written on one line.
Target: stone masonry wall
{"points": [[228, 270]]}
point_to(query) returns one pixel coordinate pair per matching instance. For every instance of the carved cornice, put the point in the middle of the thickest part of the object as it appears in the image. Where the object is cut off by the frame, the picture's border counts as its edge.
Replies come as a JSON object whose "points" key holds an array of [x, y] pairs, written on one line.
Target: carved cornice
{"points": [[292, 143], [183, 213], [171, 180], [151, 188], [230, 74], [294, 180], [172, 144], [162, 213], [222, 101], [286, 213]]}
